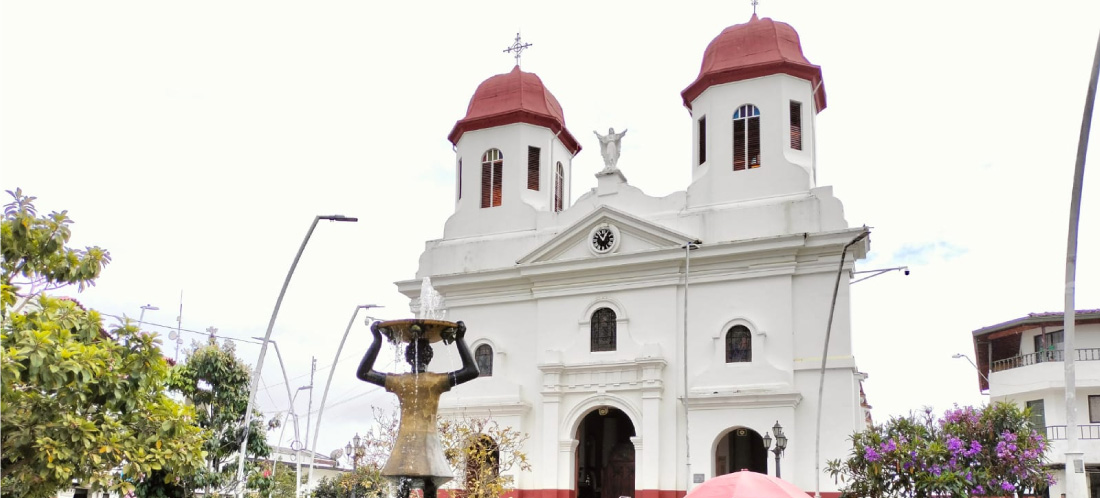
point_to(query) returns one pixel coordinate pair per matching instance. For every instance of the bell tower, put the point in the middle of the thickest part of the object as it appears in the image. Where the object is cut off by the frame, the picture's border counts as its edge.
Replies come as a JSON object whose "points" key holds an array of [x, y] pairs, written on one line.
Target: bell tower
{"points": [[513, 155], [753, 107]]}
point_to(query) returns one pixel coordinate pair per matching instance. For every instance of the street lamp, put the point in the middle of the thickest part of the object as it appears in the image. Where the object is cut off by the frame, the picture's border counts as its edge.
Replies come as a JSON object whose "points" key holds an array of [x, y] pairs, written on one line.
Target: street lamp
{"points": [[877, 272], [980, 372], [328, 383], [141, 316], [263, 348], [354, 451], [780, 444], [825, 356]]}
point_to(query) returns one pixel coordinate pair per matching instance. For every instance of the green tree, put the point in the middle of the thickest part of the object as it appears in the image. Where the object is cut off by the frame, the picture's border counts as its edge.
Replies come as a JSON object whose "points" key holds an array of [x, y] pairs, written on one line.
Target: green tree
{"points": [[987, 451], [78, 402], [267, 482], [217, 383], [481, 453], [328, 488]]}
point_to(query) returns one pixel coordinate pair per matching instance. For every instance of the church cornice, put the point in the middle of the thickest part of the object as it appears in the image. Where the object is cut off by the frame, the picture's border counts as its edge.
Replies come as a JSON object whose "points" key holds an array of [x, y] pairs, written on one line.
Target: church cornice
{"points": [[639, 374], [791, 254]]}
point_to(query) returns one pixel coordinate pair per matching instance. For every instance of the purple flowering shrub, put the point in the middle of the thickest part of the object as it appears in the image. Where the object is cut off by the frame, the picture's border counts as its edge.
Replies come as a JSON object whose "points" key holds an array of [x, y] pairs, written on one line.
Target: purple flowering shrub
{"points": [[987, 451]]}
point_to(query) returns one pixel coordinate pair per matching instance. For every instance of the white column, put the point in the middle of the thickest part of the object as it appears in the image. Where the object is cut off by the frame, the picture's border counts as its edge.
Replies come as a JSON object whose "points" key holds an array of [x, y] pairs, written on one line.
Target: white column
{"points": [[640, 470], [649, 460], [551, 403], [567, 449]]}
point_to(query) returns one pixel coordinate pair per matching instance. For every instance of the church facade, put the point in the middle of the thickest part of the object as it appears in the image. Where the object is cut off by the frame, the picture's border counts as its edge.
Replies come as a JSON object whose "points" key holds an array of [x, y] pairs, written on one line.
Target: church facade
{"points": [[649, 343]]}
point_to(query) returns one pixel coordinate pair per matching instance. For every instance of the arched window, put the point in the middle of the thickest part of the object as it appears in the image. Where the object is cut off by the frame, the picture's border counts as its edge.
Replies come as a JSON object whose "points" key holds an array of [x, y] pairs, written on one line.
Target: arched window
{"points": [[603, 330], [746, 137], [559, 187], [738, 344], [482, 465], [492, 165], [484, 357]]}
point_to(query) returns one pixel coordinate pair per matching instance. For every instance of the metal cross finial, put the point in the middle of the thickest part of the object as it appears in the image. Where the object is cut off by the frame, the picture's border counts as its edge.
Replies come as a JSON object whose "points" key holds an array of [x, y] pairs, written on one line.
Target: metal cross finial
{"points": [[754, 4], [517, 47]]}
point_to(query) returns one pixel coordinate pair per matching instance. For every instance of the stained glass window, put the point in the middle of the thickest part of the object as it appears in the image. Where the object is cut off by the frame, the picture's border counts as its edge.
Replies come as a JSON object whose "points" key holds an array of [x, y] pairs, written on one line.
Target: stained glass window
{"points": [[738, 344], [483, 355], [603, 330]]}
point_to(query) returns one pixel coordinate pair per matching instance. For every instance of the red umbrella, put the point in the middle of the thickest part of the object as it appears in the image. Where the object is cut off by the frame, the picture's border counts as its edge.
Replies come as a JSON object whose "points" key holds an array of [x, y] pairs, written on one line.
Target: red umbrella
{"points": [[746, 484]]}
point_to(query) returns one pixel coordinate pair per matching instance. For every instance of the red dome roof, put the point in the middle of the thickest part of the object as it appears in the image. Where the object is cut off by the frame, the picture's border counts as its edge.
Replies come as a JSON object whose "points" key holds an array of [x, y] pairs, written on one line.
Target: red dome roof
{"points": [[760, 47], [515, 97]]}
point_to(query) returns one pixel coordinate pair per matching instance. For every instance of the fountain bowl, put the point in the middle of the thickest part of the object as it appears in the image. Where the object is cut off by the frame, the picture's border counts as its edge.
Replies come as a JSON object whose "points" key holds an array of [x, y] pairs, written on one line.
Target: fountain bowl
{"points": [[411, 329]]}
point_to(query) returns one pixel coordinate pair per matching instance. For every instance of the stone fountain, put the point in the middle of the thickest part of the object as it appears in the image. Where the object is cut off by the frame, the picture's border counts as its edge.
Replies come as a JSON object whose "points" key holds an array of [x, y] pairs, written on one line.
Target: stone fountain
{"points": [[417, 460]]}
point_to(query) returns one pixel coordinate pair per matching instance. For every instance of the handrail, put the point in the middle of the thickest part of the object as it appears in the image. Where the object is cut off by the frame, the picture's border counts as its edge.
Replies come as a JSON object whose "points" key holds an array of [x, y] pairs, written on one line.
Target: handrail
{"points": [[1023, 360], [1058, 432]]}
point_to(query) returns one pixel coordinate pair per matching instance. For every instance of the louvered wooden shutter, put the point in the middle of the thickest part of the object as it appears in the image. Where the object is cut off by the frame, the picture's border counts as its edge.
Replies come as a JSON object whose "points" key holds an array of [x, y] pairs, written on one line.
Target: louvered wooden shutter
{"points": [[559, 187], [796, 125], [702, 140], [753, 140], [460, 178], [486, 183], [738, 144], [498, 182], [532, 168]]}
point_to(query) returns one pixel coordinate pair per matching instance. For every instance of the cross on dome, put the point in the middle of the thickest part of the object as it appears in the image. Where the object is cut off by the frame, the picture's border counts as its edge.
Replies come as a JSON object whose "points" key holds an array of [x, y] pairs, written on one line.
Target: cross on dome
{"points": [[517, 47], [754, 4]]}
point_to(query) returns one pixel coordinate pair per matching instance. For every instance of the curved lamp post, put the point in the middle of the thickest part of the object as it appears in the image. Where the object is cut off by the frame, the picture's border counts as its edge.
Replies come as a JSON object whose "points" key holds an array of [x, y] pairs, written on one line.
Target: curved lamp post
{"points": [[141, 317], [824, 358], [328, 383], [780, 444], [961, 355], [263, 348]]}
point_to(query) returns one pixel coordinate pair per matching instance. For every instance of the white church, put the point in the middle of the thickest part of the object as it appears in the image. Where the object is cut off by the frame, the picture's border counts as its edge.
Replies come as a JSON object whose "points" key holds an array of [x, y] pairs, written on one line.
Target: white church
{"points": [[649, 343]]}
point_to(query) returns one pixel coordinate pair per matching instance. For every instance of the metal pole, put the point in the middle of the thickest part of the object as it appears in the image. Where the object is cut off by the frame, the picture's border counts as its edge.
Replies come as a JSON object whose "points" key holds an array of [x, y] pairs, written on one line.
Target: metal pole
{"points": [[688, 247], [328, 383], [1076, 485], [290, 399], [309, 409], [777, 474], [243, 453], [354, 470], [824, 357]]}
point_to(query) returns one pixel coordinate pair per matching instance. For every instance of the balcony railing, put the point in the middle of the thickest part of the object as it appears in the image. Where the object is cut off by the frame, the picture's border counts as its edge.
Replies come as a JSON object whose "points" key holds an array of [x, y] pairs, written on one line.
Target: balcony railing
{"points": [[1085, 354], [1091, 431]]}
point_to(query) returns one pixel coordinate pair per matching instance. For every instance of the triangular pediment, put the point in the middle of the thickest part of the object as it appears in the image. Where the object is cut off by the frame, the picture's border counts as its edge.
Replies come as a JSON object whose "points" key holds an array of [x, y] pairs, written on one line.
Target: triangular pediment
{"points": [[632, 235]]}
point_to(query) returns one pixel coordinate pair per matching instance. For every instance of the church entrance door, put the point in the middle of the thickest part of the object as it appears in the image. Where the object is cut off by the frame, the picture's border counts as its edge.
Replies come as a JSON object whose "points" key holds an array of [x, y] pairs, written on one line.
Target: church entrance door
{"points": [[738, 449], [605, 455]]}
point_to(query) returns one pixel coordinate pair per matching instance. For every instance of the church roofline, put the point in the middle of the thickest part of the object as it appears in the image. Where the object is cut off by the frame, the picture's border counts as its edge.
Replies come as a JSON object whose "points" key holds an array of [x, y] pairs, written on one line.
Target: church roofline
{"points": [[808, 72]]}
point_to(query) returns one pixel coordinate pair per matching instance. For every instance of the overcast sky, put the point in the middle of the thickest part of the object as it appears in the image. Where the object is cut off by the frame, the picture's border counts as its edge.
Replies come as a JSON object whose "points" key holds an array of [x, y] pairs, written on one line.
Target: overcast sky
{"points": [[197, 140]]}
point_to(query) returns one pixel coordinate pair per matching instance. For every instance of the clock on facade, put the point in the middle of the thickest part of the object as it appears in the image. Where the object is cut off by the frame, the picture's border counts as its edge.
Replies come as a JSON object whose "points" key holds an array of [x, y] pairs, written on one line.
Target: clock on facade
{"points": [[604, 239]]}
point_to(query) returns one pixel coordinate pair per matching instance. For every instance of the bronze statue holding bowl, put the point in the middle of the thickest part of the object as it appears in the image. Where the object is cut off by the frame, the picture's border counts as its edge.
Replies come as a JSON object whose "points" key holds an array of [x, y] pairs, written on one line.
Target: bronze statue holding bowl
{"points": [[417, 459]]}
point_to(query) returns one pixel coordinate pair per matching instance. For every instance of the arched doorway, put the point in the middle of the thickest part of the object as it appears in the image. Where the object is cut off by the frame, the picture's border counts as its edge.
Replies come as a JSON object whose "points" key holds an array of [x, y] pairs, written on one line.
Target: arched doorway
{"points": [[605, 455], [740, 448]]}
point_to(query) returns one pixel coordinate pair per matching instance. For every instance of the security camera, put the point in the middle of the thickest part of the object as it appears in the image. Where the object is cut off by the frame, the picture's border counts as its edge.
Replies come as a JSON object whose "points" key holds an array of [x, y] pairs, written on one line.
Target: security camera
{"points": [[906, 272]]}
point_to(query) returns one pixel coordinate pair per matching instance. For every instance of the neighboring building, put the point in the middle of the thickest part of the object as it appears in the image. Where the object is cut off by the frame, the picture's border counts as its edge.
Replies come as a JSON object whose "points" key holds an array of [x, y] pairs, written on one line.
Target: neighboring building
{"points": [[1021, 361], [323, 466], [591, 324]]}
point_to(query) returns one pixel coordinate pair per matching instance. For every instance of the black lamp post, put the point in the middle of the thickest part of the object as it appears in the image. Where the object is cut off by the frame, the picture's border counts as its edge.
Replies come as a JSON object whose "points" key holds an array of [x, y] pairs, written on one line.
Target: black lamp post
{"points": [[354, 451], [780, 444]]}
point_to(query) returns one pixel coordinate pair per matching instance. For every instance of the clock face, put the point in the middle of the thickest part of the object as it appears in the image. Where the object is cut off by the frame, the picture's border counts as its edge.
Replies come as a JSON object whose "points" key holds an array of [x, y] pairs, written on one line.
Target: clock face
{"points": [[603, 239]]}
